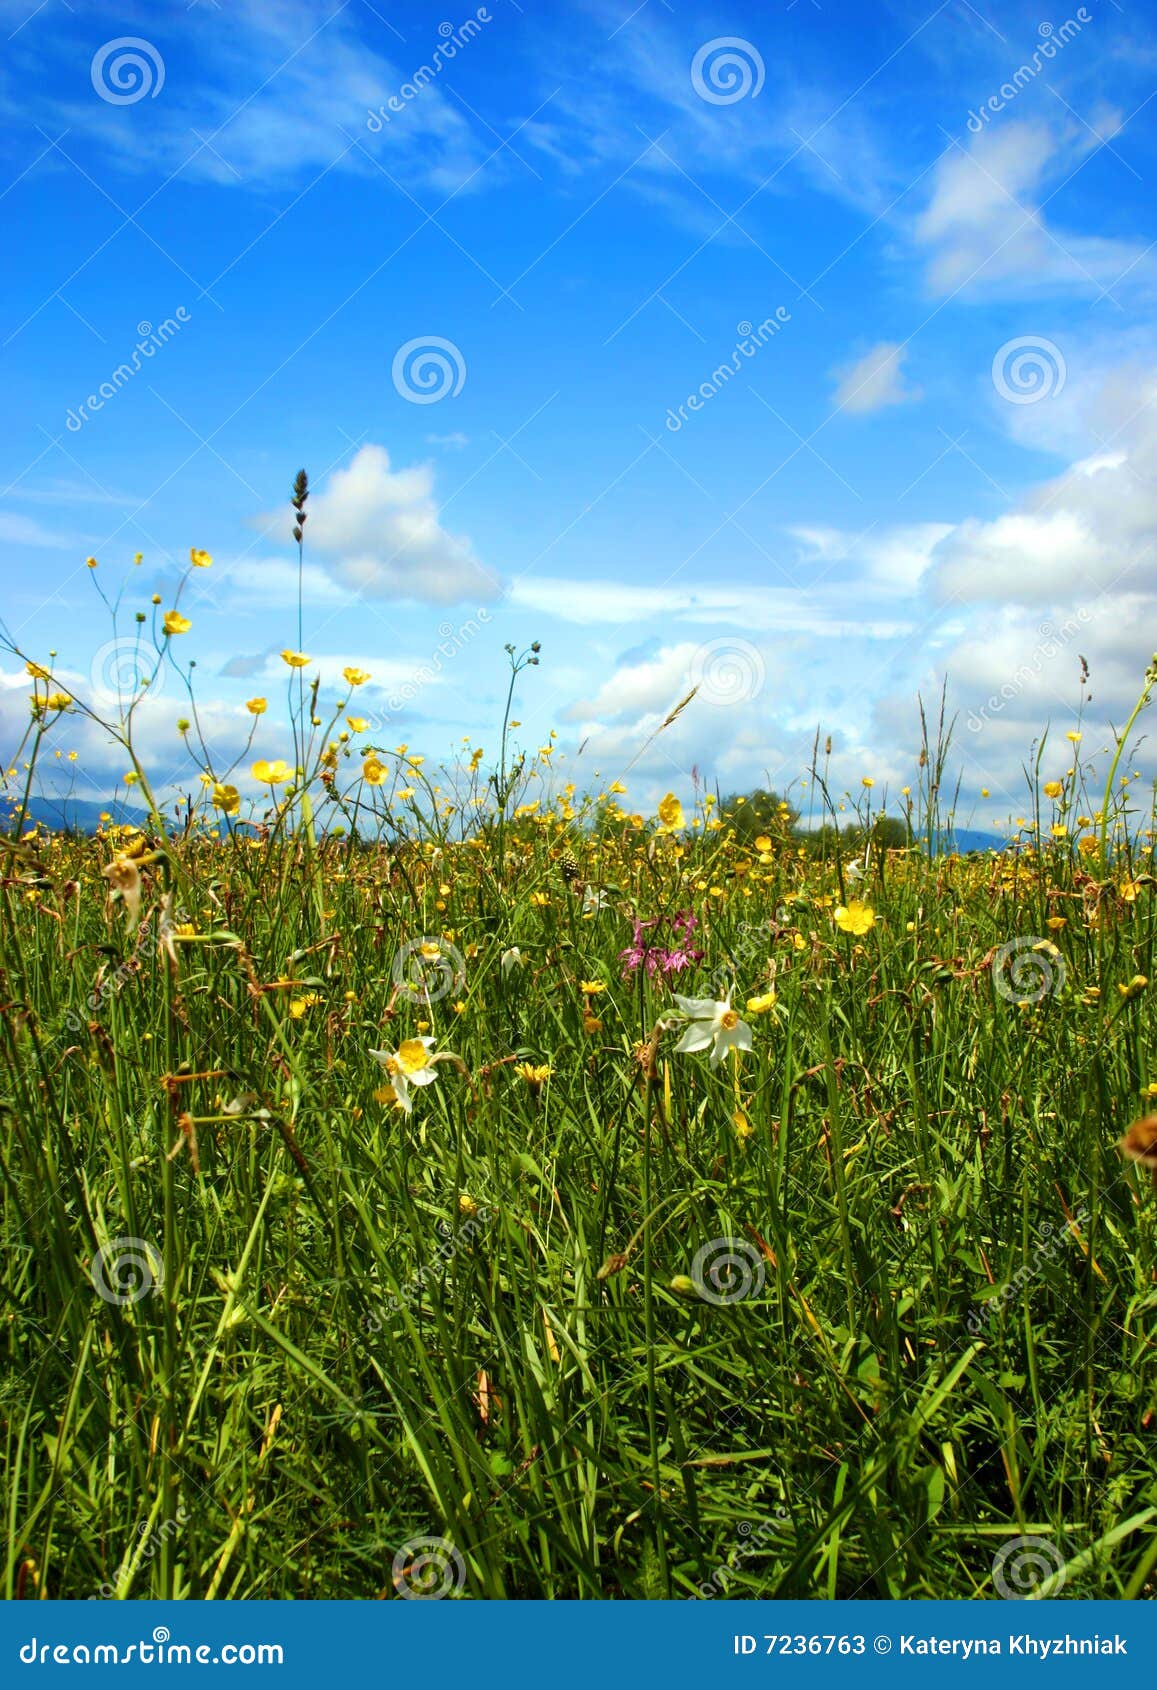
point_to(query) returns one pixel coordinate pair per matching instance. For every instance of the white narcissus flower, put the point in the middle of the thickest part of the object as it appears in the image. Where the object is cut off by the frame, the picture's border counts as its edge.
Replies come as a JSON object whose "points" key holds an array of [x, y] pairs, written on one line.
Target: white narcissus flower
{"points": [[712, 1023], [410, 1065]]}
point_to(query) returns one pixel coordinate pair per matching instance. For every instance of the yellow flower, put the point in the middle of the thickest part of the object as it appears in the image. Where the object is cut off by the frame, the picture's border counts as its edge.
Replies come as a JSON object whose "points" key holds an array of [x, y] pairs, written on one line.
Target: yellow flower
{"points": [[540, 899], [1135, 987], [1053, 788], [591, 1023], [90, 563], [616, 786], [763, 843], [298, 1006], [356, 677], [671, 814], [175, 623], [269, 774], [226, 798], [199, 559], [374, 771], [761, 1004], [535, 1077], [295, 659], [856, 917], [866, 780], [256, 707], [37, 673], [591, 987], [1074, 738], [358, 724], [58, 701], [984, 792]]}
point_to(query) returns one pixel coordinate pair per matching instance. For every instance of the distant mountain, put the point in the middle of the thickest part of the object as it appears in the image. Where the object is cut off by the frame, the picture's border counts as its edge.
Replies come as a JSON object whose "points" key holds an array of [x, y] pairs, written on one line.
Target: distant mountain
{"points": [[972, 839], [73, 815]]}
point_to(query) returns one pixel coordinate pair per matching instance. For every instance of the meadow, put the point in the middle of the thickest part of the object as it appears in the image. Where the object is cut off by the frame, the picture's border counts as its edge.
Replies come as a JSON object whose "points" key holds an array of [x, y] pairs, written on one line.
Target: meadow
{"points": [[449, 1182]]}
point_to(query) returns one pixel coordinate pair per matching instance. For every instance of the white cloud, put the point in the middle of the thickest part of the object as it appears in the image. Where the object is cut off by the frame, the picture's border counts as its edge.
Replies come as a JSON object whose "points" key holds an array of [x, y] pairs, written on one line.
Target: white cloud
{"points": [[875, 380], [25, 531], [829, 611], [378, 531], [282, 87], [984, 230], [1089, 531]]}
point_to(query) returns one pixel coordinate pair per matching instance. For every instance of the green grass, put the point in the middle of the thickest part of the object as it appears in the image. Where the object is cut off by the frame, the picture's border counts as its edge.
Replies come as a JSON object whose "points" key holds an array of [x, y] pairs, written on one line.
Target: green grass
{"points": [[493, 1322]]}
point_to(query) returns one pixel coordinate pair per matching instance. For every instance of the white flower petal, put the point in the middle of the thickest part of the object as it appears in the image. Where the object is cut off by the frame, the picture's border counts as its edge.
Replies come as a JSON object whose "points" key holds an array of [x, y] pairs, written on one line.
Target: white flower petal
{"points": [[699, 1009], [696, 1037]]}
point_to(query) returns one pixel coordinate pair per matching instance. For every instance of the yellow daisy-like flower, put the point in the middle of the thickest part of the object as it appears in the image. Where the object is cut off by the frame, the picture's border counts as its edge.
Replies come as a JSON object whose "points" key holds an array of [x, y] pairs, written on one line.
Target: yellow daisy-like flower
{"points": [[199, 559], [591, 987], [856, 917], [1053, 788], [175, 623], [356, 677], [535, 1076], [671, 814], [270, 774], [295, 659], [257, 707], [374, 771], [226, 799], [298, 1006]]}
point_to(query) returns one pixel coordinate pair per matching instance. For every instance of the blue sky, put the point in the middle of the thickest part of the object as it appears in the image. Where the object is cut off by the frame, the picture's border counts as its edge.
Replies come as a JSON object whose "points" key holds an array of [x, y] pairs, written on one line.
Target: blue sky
{"points": [[941, 461]]}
